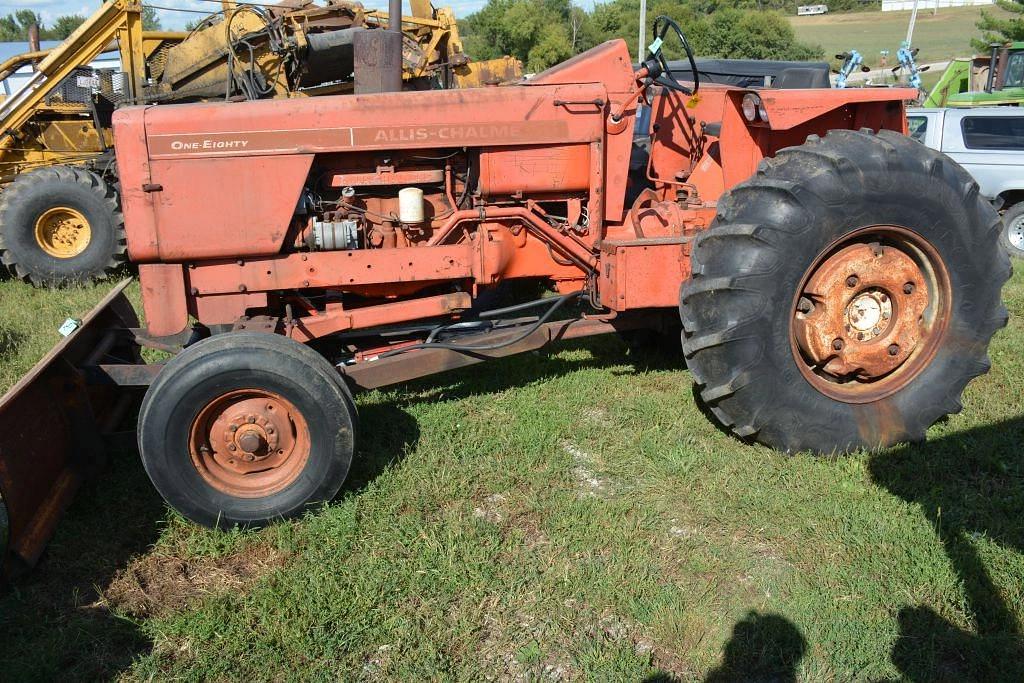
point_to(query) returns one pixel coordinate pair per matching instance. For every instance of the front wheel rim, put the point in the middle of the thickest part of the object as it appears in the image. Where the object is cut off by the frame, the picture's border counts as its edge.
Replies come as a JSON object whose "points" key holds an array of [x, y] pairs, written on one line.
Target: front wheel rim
{"points": [[870, 313], [249, 443]]}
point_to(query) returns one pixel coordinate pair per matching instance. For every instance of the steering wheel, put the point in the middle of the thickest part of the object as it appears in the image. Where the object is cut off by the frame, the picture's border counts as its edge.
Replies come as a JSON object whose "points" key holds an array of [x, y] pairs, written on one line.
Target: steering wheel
{"points": [[661, 26]]}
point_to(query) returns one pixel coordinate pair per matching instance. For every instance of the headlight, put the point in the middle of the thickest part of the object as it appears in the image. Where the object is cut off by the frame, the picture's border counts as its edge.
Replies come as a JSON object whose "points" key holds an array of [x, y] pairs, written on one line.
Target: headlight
{"points": [[761, 111], [751, 102]]}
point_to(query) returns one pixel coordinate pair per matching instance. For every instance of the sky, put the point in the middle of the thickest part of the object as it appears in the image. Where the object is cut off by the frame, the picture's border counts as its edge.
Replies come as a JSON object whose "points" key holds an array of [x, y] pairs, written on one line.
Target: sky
{"points": [[170, 19]]}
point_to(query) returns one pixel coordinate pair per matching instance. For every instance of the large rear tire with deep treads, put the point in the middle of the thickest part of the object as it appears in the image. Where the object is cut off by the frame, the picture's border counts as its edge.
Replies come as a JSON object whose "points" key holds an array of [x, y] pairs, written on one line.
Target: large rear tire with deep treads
{"points": [[61, 225], [845, 295], [244, 428]]}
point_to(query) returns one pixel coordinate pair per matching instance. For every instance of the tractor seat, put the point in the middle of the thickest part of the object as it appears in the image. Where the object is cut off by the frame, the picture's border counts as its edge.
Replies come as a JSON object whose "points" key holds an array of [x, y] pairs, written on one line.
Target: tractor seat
{"points": [[801, 77]]}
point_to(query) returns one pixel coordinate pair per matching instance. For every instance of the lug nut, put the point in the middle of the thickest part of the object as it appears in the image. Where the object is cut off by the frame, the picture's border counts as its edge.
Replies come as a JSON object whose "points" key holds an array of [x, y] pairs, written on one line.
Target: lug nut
{"points": [[893, 349], [233, 428], [231, 447], [804, 305], [838, 344], [852, 281], [252, 419], [908, 288]]}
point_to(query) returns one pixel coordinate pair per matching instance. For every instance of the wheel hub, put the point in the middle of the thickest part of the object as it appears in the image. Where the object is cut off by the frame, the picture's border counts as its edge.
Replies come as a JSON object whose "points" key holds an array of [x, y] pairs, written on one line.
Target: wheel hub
{"points": [[862, 313], [867, 313], [249, 443], [63, 232]]}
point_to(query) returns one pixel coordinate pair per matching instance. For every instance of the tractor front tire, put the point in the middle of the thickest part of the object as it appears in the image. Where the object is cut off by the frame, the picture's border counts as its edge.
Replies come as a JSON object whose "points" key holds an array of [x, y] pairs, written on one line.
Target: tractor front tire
{"points": [[245, 428], [59, 226], [845, 295]]}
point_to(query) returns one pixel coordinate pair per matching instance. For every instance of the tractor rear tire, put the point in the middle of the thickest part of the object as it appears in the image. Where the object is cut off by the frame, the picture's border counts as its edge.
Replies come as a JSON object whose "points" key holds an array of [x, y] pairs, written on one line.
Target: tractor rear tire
{"points": [[59, 226], [796, 327], [245, 428], [1012, 234]]}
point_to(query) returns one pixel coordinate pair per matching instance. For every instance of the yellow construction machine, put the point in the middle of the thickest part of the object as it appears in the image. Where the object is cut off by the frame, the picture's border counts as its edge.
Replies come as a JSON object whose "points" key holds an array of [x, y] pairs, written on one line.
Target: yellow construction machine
{"points": [[60, 220]]}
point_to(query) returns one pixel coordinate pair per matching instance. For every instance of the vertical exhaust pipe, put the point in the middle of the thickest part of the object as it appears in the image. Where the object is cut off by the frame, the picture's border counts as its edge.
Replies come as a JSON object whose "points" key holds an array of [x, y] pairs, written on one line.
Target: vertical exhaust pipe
{"points": [[378, 55], [33, 37]]}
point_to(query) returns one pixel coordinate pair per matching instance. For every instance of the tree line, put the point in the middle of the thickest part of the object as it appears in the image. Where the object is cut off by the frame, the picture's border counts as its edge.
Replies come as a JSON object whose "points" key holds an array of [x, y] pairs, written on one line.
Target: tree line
{"points": [[541, 33], [14, 27]]}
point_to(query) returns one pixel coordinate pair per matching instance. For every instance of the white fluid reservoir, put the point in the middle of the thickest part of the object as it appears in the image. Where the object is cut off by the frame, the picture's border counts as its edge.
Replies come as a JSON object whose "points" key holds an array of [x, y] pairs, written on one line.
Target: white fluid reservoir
{"points": [[410, 205]]}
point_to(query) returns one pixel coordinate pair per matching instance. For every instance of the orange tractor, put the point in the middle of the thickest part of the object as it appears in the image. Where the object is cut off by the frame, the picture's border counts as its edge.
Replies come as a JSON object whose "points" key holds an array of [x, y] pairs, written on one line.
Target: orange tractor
{"points": [[836, 284]]}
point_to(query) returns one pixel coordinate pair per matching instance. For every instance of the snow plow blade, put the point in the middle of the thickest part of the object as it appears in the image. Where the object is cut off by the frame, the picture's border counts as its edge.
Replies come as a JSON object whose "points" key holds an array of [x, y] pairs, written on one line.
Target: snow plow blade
{"points": [[52, 424]]}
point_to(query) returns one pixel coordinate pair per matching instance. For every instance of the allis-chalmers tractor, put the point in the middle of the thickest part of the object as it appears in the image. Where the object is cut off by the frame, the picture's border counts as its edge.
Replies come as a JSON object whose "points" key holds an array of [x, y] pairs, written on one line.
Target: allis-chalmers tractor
{"points": [[837, 283]]}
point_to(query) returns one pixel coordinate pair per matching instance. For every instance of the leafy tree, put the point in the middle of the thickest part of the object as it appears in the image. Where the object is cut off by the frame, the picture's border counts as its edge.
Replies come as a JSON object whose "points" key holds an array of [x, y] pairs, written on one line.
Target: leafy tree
{"points": [[64, 26], [996, 30], [544, 32], [537, 32], [150, 19], [14, 27], [740, 34]]}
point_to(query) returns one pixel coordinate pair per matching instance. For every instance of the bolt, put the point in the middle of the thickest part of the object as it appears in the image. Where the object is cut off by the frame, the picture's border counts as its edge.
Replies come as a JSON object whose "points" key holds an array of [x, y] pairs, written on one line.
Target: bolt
{"points": [[893, 349], [252, 419], [195, 291], [242, 288], [838, 344], [270, 430], [876, 330], [852, 281], [305, 283], [233, 428], [250, 458], [883, 297], [231, 447], [908, 288], [804, 305]]}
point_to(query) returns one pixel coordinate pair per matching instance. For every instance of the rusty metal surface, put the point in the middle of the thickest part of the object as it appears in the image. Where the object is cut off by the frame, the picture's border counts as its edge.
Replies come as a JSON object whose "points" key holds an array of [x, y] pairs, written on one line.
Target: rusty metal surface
{"points": [[50, 424], [249, 443], [860, 322], [378, 62]]}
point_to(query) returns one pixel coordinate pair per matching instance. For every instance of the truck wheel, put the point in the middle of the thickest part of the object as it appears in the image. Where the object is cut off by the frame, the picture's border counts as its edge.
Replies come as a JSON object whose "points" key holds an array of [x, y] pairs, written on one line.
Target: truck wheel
{"points": [[245, 428], [61, 225], [1012, 234], [845, 295]]}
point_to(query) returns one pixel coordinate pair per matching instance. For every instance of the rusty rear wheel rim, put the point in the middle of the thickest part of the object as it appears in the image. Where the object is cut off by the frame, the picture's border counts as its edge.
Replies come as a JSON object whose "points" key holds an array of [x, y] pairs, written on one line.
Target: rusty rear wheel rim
{"points": [[249, 443], [870, 313], [63, 232]]}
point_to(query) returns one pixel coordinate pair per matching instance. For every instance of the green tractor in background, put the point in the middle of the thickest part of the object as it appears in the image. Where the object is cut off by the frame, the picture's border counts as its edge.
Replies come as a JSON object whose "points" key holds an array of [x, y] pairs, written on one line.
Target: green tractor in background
{"points": [[993, 80]]}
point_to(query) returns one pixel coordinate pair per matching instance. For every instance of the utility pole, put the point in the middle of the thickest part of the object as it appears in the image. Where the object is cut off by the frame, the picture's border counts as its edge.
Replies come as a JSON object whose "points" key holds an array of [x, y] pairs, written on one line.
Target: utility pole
{"points": [[913, 20], [642, 43]]}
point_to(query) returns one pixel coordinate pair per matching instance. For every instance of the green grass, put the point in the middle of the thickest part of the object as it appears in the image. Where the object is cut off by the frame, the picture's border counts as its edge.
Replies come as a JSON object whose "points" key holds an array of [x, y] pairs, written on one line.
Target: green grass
{"points": [[939, 36], [570, 514]]}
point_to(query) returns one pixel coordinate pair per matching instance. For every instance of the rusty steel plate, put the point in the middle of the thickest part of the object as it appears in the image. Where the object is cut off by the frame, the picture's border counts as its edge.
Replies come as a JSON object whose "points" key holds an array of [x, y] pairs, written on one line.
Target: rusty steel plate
{"points": [[50, 430]]}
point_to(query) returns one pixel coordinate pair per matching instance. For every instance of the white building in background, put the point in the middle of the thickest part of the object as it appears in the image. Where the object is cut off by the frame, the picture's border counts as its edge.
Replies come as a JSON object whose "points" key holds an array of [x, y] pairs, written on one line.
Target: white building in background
{"points": [[907, 5]]}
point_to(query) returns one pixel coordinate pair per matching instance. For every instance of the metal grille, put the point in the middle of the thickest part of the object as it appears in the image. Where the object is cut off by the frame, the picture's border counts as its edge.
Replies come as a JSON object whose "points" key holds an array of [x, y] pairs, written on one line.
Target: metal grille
{"points": [[82, 83]]}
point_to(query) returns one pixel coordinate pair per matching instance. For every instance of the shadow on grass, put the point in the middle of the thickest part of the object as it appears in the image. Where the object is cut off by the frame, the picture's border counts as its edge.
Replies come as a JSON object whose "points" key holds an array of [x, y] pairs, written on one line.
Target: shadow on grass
{"points": [[51, 625], [763, 647], [971, 486]]}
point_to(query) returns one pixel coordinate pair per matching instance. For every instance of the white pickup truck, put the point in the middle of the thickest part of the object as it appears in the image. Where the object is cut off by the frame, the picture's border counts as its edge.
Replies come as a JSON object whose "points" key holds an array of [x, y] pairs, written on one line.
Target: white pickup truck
{"points": [[989, 143]]}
